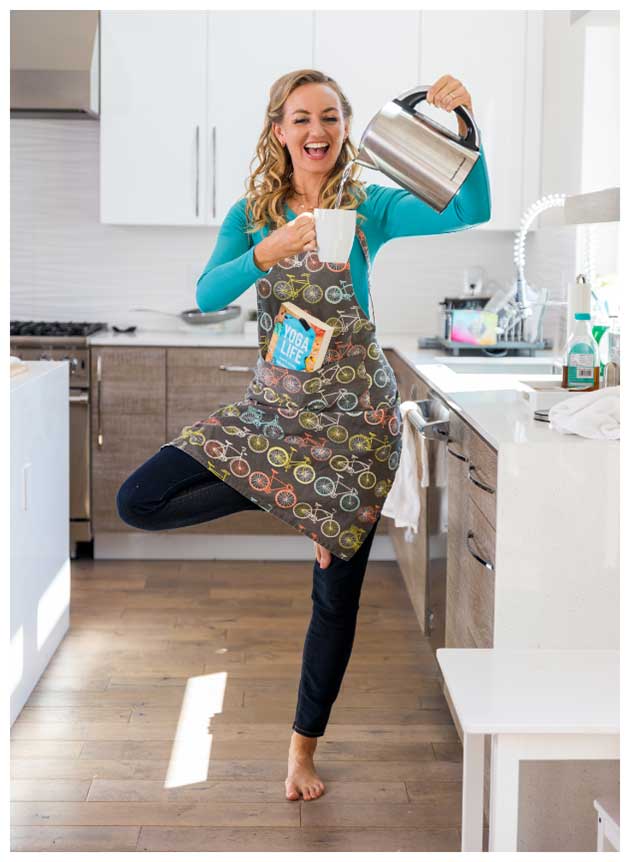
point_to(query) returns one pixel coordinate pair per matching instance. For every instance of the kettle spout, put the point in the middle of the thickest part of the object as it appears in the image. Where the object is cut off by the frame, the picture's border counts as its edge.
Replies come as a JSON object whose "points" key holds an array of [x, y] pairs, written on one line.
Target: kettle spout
{"points": [[365, 160]]}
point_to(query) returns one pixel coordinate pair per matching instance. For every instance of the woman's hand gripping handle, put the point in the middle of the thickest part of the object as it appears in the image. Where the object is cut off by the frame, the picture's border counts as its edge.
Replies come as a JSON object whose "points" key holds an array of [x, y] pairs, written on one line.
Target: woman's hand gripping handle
{"points": [[292, 238]]}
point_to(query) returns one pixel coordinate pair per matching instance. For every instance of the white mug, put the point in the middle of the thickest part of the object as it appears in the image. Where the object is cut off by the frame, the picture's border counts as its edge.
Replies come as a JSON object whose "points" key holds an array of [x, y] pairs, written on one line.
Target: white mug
{"points": [[334, 231]]}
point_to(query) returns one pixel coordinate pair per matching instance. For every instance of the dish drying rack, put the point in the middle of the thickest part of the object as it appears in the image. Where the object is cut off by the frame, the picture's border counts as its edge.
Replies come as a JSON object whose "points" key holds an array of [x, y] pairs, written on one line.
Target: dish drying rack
{"points": [[514, 308]]}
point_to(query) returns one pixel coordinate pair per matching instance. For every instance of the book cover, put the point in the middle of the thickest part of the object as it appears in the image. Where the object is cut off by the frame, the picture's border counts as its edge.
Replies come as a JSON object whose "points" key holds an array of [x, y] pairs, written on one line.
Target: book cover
{"points": [[299, 340]]}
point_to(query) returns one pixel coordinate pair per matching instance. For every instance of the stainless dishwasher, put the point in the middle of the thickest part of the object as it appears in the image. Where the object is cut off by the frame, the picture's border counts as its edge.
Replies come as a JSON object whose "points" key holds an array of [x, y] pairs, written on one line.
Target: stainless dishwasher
{"points": [[431, 421]]}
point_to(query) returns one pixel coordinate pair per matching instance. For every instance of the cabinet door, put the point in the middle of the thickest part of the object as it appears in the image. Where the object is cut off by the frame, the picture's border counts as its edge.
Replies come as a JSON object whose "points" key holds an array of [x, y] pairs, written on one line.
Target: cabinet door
{"points": [[153, 117], [478, 562], [373, 56], [482, 476], [457, 611], [128, 400], [197, 384], [247, 52], [498, 56]]}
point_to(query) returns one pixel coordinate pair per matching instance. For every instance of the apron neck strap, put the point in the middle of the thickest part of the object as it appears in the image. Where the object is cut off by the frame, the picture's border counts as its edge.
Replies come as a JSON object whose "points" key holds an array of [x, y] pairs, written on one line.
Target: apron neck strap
{"points": [[366, 254]]}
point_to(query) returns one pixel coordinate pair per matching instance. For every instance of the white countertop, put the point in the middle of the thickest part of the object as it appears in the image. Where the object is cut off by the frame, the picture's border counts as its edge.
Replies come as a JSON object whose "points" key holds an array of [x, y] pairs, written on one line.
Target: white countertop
{"points": [[533, 691], [490, 403], [35, 369]]}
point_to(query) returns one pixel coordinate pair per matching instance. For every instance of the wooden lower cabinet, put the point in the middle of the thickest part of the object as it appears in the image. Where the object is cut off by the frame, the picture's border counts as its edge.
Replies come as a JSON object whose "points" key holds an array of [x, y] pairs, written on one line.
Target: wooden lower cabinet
{"points": [[457, 632], [128, 415], [482, 476], [471, 540], [478, 568]]}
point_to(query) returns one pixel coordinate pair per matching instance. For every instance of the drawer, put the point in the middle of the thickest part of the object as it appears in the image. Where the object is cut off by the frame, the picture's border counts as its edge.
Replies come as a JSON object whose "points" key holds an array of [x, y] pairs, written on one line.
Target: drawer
{"points": [[482, 476], [479, 576]]}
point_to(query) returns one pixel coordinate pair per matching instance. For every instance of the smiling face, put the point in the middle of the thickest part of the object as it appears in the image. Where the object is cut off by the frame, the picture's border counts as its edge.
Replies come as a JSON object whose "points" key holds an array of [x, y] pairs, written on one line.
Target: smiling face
{"points": [[313, 128]]}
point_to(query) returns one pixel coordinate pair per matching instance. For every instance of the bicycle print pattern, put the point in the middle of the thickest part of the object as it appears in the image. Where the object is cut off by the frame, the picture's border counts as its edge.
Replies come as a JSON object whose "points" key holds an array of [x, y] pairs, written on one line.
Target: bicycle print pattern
{"points": [[319, 450]]}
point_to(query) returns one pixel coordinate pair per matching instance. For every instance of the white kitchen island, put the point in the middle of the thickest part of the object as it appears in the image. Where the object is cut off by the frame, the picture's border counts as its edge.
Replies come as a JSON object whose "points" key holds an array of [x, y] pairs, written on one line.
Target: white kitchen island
{"points": [[557, 518], [40, 533]]}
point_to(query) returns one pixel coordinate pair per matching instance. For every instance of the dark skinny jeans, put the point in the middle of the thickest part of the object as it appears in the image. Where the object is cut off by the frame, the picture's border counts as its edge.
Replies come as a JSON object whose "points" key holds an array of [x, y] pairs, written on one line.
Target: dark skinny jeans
{"points": [[171, 489]]}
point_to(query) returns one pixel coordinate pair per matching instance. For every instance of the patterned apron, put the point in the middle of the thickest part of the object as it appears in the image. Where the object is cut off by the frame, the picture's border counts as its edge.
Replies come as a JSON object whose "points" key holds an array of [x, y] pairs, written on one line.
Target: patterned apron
{"points": [[317, 449]]}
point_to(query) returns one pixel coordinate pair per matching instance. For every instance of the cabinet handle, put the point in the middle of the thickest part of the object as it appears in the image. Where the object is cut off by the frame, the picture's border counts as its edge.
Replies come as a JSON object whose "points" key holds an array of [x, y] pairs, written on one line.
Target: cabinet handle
{"points": [[479, 559], [79, 399], [456, 454], [99, 379], [214, 172], [477, 482], [236, 368], [196, 171]]}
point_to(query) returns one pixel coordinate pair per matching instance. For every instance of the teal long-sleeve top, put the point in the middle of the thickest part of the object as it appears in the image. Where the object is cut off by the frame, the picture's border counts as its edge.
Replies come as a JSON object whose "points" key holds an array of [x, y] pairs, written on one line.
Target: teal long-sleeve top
{"points": [[389, 213]]}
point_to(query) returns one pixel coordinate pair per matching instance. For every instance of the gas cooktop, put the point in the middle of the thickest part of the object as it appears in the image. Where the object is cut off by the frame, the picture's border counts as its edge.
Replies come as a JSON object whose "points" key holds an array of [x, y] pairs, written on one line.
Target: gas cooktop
{"points": [[55, 329]]}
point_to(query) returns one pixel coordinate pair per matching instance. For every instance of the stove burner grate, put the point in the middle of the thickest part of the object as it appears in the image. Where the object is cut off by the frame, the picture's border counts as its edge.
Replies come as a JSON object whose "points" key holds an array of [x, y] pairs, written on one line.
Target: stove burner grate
{"points": [[55, 328]]}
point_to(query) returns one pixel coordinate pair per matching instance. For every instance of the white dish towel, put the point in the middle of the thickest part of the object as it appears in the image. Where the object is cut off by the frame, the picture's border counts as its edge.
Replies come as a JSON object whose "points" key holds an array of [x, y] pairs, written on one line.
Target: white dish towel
{"points": [[591, 414], [403, 501]]}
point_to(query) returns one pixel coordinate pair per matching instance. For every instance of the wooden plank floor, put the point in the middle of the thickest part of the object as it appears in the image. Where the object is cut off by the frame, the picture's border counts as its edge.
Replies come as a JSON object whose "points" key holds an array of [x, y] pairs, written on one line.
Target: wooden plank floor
{"points": [[163, 721]]}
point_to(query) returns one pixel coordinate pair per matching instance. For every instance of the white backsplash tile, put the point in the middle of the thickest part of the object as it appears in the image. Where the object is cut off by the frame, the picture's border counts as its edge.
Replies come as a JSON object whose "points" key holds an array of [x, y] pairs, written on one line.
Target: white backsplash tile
{"points": [[65, 264]]}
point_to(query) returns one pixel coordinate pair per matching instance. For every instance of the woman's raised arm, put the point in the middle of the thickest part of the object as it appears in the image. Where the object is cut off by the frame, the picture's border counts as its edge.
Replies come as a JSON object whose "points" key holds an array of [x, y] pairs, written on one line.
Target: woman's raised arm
{"points": [[400, 213]]}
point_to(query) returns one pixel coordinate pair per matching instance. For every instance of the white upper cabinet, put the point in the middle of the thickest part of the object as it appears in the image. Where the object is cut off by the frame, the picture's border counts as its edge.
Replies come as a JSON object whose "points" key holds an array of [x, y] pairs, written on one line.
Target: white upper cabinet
{"points": [[247, 52], [153, 117], [498, 56], [184, 97], [373, 56]]}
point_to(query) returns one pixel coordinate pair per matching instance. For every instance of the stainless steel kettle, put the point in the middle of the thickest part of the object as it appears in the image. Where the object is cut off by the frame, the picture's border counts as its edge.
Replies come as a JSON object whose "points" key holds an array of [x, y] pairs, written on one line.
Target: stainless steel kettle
{"points": [[417, 153]]}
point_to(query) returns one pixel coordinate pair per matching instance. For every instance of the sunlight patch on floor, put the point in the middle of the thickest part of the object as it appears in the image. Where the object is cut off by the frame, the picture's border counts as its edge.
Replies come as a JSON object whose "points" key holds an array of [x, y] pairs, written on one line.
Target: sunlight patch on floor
{"points": [[192, 747]]}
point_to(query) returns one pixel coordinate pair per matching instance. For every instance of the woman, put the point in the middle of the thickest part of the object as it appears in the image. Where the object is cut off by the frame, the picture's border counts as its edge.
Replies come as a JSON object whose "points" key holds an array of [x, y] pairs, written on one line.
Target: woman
{"points": [[317, 449]]}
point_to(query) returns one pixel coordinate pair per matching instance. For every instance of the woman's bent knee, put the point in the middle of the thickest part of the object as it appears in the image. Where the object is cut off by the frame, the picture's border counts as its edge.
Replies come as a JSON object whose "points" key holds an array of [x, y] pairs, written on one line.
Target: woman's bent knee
{"points": [[127, 504]]}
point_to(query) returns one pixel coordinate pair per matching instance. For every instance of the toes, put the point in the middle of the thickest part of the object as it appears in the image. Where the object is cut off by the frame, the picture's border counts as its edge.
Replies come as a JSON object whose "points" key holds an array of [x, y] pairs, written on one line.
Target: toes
{"points": [[292, 791]]}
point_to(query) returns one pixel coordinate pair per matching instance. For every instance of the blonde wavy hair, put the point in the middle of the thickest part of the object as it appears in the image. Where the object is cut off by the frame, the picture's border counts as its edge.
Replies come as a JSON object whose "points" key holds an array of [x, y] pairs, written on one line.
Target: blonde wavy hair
{"points": [[269, 184]]}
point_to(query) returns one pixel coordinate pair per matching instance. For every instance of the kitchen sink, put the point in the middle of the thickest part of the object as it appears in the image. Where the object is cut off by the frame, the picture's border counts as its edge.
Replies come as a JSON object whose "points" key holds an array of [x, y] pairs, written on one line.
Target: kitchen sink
{"points": [[502, 364]]}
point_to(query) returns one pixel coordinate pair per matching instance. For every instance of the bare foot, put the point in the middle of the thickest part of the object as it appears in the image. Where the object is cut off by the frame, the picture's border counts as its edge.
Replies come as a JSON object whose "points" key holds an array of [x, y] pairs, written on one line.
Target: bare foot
{"points": [[302, 778]]}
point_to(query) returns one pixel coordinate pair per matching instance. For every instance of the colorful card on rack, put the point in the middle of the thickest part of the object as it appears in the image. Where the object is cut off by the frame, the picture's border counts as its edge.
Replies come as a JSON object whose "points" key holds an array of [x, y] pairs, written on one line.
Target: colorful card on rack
{"points": [[471, 326], [299, 340]]}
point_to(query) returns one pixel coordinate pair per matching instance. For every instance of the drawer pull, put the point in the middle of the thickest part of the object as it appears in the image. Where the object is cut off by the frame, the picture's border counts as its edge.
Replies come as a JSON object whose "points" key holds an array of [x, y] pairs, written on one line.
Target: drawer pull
{"points": [[456, 454], [479, 559], [236, 368], [477, 482]]}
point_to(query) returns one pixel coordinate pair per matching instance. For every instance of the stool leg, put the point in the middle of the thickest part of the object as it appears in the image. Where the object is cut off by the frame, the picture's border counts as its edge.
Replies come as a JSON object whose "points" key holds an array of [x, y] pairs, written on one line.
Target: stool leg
{"points": [[472, 792], [504, 794]]}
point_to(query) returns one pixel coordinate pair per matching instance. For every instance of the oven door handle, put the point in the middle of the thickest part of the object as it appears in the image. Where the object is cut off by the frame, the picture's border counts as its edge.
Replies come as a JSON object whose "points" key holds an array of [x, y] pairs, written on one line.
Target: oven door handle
{"points": [[431, 428]]}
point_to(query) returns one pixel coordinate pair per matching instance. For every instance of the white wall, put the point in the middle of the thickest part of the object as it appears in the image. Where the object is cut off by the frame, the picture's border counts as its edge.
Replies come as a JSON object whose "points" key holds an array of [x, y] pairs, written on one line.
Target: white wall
{"points": [[66, 265]]}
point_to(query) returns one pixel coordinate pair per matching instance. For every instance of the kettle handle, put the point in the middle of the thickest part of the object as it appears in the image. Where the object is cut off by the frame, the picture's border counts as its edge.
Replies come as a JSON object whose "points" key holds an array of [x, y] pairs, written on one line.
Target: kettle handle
{"points": [[411, 98]]}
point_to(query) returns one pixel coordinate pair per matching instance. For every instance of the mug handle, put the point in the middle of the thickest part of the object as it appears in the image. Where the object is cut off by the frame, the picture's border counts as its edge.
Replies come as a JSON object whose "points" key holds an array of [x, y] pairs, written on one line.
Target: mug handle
{"points": [[409, 100]]}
